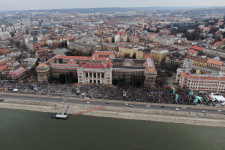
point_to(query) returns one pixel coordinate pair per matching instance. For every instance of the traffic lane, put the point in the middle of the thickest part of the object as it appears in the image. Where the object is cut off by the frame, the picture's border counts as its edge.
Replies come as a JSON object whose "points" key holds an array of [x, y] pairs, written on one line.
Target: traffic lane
{"points": [[142, 106], [180, 109]]}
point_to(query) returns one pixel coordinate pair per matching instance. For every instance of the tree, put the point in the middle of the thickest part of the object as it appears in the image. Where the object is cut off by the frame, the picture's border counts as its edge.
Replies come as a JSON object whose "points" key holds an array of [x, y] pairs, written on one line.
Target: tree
{"points": [[126, 56], [134, 56], [60, 60], [66, 44], [123, 80], [71, 77], [115, 82], [62, 78]]}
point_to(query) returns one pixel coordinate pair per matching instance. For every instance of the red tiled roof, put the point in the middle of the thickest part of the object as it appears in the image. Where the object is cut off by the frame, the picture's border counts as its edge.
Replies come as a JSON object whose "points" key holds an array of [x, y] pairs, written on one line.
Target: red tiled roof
{"points": [[197, 58], [216, 62], [148, 56], [4, 50], [5, 62], [17, 72], [100, 58], [222, 78], [197, 48], [185, 74], [102, 53], [64, 65], [71, 62], [95, 65], [208, 78], [75, 57], [218, 43], [3, 67]]}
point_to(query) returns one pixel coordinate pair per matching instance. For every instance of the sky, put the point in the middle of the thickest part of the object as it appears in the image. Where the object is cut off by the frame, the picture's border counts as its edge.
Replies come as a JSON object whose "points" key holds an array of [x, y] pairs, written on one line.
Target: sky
{"points": [[58, 4]]}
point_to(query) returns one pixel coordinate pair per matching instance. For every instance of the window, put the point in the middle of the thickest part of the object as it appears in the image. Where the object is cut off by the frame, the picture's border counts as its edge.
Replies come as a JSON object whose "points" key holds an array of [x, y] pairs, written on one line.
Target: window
{"points": [[102, 75], [86, 74]]}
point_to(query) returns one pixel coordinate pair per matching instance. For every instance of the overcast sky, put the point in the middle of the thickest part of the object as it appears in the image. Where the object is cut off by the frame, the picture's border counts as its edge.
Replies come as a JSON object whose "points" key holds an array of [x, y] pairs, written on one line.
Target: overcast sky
{"points": [[55, 4]]}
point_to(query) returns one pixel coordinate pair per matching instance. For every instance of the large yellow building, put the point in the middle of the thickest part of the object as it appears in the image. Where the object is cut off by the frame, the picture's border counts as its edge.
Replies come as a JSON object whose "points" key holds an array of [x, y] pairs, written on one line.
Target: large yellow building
{"points": [[127, 50], [131, 51], [139, 54], [159, 55]]}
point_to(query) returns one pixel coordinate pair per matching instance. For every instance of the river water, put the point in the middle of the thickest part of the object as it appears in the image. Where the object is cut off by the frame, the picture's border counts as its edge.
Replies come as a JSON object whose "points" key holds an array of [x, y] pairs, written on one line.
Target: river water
{"points": [[25, 130]]}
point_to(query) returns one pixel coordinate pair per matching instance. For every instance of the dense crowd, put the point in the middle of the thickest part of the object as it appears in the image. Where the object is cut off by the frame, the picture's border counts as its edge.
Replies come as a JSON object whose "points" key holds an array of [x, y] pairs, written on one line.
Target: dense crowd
{"points": [[136, 94], [101, 92]]}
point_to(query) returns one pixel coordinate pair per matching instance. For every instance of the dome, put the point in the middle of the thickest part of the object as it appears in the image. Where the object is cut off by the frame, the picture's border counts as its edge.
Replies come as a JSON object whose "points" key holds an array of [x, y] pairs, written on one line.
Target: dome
{"points": [[42, 66], [128, 63]]}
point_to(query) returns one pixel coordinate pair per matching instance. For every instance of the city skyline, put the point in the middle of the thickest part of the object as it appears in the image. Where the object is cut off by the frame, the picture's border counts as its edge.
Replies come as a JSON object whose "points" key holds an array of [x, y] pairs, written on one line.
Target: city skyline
{"points": [[57, 4]]}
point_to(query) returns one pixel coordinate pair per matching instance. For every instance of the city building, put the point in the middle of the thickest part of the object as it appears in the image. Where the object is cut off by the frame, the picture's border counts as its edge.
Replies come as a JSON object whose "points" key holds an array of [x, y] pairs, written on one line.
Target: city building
{"points": [[101, 68], [201, 82], [203, 62], [159, 55]]}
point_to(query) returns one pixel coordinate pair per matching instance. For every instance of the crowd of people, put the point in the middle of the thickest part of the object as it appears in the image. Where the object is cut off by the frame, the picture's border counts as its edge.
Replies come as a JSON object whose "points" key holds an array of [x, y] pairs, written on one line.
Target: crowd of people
{"points": [[136, 94], [102, 92]]}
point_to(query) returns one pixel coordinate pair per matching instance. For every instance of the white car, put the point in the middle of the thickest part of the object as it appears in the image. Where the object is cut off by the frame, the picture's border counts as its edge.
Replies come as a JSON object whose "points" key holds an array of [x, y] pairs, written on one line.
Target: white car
{"points": [[219, 110], [126, 104], [147, 106], [88, 102], [15, 90], [177, 109], [204, 111], [131, 105]]}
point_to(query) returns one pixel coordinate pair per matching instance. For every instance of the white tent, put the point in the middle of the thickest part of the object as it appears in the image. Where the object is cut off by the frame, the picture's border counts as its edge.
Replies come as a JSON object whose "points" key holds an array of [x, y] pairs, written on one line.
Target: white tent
{"points": [[217, 97]]}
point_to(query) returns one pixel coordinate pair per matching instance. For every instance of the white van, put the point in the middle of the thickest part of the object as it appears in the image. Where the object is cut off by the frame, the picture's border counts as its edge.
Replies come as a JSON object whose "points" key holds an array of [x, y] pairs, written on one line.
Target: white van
{"points": [[15, 90]]}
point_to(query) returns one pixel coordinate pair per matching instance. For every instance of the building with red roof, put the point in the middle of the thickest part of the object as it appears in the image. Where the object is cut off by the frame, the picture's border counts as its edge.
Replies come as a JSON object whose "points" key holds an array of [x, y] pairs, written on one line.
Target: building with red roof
{"points": [[17, 73], [197, 48], [201, 82], [95, 72], [193, 52]]}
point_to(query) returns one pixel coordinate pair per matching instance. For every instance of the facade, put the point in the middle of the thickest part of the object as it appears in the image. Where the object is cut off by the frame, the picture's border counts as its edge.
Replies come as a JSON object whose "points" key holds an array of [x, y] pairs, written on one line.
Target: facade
{"points": [[101, 68], [18, 73], [194, 61], [43, 72], [134, 72], [32, 45], [139, 54], [174, 60], [95, 72], [127, 50], [110, 46], [65, 65], [159, 55], [150, 72], [207, 82]]}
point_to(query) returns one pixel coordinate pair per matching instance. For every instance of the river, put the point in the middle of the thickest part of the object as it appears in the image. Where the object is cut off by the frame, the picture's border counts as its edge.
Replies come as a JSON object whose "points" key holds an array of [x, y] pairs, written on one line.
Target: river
{"points": [[25, 130]]}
